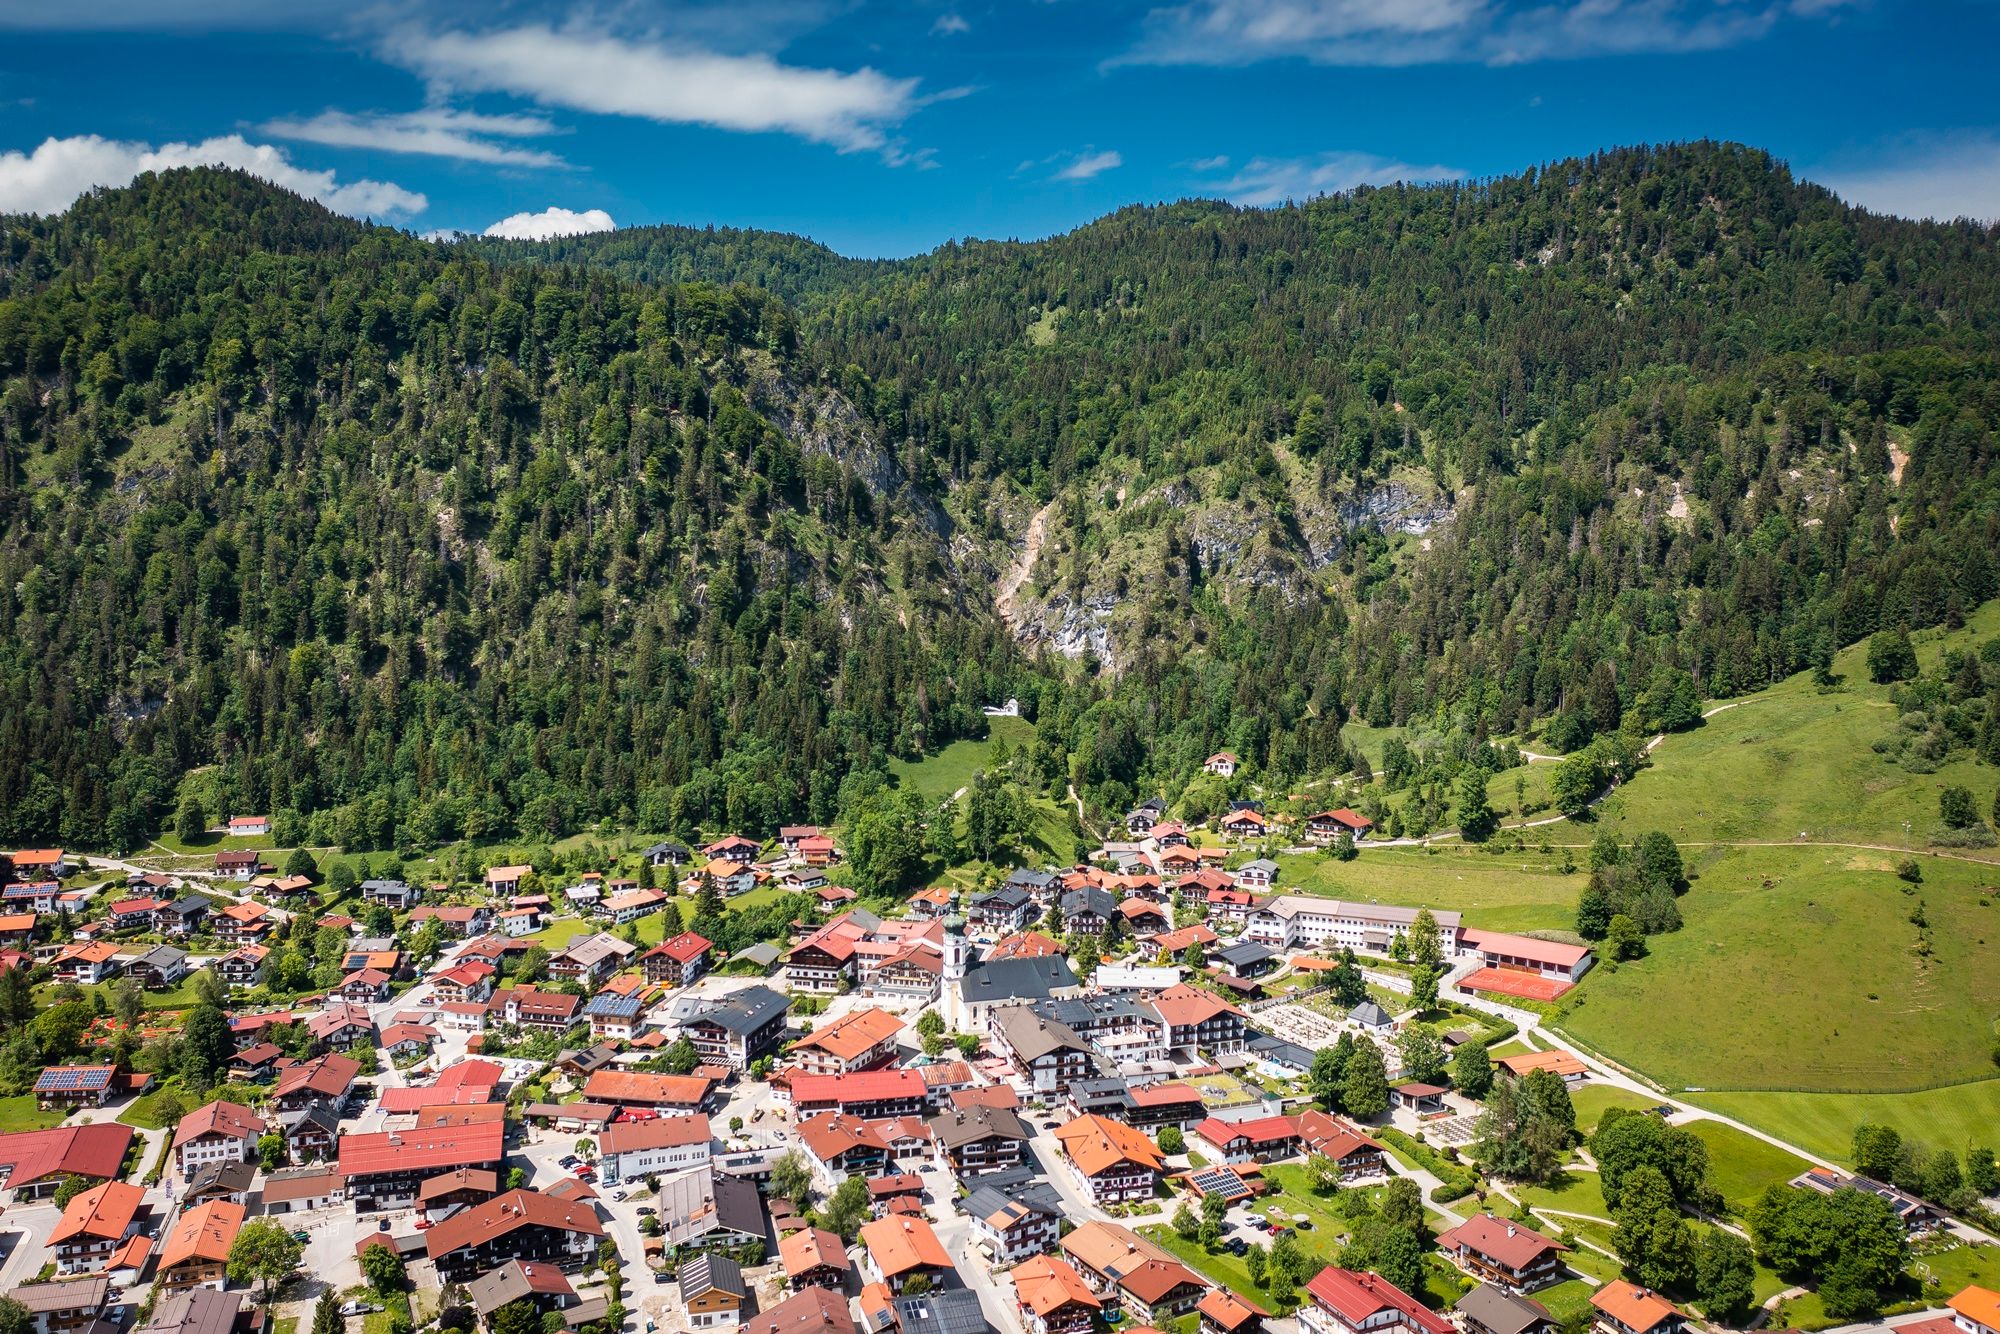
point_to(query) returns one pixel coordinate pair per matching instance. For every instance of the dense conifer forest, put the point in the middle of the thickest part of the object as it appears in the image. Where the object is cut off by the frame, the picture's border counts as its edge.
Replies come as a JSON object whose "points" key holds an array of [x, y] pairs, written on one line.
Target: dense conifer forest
{"points": [[680, 528]]}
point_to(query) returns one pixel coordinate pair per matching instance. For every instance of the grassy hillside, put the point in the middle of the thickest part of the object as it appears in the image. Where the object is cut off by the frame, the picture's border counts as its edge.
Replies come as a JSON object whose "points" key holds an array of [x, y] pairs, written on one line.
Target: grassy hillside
{"points": [[1513, 892], [1790, 762], [937, 776], [1823, 1123], [1801, 968]]}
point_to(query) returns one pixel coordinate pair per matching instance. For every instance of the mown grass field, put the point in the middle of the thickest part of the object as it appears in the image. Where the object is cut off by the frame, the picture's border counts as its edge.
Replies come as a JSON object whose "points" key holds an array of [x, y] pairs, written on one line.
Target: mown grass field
{"points": [[1955, 1117], [1593, 1100], [1790, 761], [1799, 968], [1522, 891], [1742, 1166], [936, 777], [21, 1113]]}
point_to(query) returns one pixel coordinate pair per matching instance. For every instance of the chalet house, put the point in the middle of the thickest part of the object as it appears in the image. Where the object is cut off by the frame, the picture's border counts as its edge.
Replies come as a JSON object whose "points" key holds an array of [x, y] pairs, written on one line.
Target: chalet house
{"points": [[1353, 1152], [40, 864], [1328, 826], [1048, 1053], [1342, 1301], [810, 880], [456, 921], [1223, 1312], [733, 848], [818, 850], [543, 1287], [900, 1248], [159, 967], [1258, 874], [1086, 911], [1007, 909], [871, 1094], [587, 895], [466, 982], [396, 895], [1229, 904], [68, 1087], [858, 1040], [221, 1132], [367, 986], [1052, 1298], [94, 1224], [68, 1307], [407, 1041], [1170, 834], [293, 1189], [241, 922], [661, 1093], [1199, 1021], [840, 1147], [1143, 917], [132, 915], [1245, 824], [1267, 1139], [343, 1024], [249, 826], [747, 1025], [1244, 960], [591, 959], [632, 905], [629, 1150], [666, 854], [713, 1292], [1916, 1215], [324, 1079], [1171, 945], [676, 961], [1141, 818], [1038, 885], [730, 878], [709, 1208], [182, 917], [1017, 1224], [1974, 1310], [1503, 1253], [614, 1017], [812, 1257], [387, 1169], [1148, 1284], [979, 1140], [236, 865], [1491, 1310], [1625, 1308], [196, 1252], [522, 1225], [255, 1065], [312, 1134], [506, 880], [790, 835], [525, 1007], [1222, 764], [1114, 1162]]}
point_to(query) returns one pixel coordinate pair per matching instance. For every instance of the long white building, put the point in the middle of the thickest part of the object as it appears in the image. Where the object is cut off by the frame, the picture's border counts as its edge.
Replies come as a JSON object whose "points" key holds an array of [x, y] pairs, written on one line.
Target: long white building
{"points": [[1305, 921]]}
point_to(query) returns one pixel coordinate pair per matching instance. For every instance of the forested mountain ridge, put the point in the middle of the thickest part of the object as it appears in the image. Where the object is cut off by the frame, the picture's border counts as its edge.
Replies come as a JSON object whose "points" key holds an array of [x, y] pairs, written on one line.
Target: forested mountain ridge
{"points": [[1481, 453], [409, 547], [404, 541]]}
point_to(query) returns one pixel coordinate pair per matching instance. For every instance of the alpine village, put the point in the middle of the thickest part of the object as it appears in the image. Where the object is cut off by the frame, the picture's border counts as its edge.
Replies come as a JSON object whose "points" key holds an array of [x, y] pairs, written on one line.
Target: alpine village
{"points": [[654, 781]]}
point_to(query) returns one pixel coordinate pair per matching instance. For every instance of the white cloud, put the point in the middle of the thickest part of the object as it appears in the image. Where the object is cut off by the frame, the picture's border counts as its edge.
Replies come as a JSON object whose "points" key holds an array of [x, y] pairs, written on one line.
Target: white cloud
{"points": [[434, 132], [50, 179], [1087, 165], [1948, 177], [1265, 181], [551, 221], [949, 25], [1414, 32], [605, 75], [1216, 163]]}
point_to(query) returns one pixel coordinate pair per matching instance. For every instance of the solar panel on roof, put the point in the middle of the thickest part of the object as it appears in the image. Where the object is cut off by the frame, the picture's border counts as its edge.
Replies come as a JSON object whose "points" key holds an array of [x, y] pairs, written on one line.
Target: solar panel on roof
{"points": [[1220, 1181], [70, 1079]]}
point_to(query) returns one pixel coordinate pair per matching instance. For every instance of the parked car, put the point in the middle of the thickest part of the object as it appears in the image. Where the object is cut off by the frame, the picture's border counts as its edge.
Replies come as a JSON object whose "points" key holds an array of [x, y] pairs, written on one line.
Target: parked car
{"points": [[647, 1211], [620, 1194], [358, 1308]]}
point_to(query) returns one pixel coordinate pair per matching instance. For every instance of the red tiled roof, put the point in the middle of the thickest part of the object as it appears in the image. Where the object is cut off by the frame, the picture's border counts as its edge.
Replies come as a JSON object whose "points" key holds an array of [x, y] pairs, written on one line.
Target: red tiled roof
{"points": [[423, 1149], [683, 948], [1357, 1298], [503, 1214], [1509, 1244], [221, 1118], [1633, 1306], [665, 1132], [866, 1086]]}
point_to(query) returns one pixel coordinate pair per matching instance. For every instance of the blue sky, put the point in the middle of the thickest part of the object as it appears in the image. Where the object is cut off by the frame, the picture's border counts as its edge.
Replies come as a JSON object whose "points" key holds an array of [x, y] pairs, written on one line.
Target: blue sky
{"points": [[888, 128]]}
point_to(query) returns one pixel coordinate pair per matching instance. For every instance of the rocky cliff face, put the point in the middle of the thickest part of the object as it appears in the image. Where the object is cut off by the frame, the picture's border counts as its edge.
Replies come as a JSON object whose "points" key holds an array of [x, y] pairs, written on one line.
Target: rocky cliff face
{"points": [[1130, 573]]}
